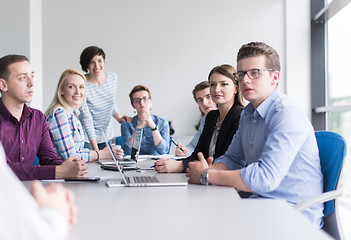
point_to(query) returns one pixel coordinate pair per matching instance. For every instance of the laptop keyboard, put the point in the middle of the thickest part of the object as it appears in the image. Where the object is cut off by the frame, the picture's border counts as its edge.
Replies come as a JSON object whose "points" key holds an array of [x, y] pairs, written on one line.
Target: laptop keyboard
{"points": [[145, 179]]}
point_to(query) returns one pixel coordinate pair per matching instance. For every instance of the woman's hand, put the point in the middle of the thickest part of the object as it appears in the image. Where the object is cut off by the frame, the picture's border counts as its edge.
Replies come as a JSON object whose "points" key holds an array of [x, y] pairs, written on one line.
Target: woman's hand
{"points": [[167, 165], [145, 119], [179, 152], [117, 150]]}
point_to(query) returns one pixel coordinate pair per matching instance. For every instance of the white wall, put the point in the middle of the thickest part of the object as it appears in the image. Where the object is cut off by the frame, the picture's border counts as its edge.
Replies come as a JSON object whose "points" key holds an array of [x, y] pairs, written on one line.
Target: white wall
{"points": [[168, 46], [21, 33], [14, 23], [298, 49]]}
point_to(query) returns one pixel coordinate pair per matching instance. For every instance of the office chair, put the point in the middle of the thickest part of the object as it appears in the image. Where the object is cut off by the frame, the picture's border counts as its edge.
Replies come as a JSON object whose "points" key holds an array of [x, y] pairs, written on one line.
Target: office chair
{"points": [[119, 141], [36, 161], [332, 151]]}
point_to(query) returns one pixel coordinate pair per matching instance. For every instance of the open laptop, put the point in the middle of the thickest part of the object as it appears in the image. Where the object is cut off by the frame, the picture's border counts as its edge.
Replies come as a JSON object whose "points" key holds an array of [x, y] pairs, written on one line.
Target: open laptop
{"points": [[139, 180], [138, 134]]}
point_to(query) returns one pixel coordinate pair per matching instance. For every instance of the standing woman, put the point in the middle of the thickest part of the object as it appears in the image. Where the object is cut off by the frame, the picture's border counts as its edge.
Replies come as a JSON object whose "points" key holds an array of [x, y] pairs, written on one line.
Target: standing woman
{"points": [[220, 125], [155, 138], [100, 105], [66, 131]]}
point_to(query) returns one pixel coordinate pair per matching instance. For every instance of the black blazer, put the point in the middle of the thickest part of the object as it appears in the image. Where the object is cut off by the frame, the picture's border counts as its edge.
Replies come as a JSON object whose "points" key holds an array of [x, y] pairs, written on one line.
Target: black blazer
{"points": [[228, 129]]}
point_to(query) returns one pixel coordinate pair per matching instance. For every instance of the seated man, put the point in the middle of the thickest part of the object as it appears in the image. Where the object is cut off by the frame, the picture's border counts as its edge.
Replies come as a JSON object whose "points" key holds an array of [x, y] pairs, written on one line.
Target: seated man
{"points": [[274, 153], [24, 131], [202, 96], [47, 214]]}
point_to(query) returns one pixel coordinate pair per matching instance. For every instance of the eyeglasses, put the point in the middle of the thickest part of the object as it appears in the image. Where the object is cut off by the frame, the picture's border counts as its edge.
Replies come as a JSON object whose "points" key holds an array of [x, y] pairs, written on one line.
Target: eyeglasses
{"points": [[252, 73], [138, 100]]}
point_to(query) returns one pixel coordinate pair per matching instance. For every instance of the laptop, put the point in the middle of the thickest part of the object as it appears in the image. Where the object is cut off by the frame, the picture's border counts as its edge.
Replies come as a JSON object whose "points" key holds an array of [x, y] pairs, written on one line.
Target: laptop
{"points": [[138, 136], [139, 180], [109, 165]]}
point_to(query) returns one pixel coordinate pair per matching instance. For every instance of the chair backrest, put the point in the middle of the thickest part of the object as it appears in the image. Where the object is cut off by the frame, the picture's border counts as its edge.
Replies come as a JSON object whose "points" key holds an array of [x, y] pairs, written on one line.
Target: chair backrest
{"points": [[332, 151], [36, 161], [119, 141]]}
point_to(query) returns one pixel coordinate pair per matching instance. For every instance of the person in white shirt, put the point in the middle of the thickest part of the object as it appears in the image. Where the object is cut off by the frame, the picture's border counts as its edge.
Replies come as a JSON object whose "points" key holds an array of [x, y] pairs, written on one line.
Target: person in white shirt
{"points": [[46, 214]]}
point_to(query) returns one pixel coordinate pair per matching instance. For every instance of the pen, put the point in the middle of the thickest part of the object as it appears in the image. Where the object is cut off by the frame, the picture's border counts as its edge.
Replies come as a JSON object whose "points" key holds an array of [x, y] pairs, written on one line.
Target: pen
{"points": [[177, 145], [153, 166]]}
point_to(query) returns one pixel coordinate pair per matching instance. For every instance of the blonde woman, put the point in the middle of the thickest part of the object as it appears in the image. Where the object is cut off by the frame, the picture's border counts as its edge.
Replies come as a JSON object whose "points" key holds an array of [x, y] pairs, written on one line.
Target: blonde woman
{"points": [[65, 128]]}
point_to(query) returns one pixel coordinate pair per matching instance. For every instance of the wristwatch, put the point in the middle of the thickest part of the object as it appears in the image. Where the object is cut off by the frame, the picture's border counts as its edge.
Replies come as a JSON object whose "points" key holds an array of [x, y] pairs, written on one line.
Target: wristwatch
{"points": [[154, 129], [204, 177]]}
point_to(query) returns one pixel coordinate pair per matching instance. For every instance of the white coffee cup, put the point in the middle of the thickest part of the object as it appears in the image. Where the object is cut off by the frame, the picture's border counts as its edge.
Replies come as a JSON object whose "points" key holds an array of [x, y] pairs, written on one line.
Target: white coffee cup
{"points": [[117, 147]]}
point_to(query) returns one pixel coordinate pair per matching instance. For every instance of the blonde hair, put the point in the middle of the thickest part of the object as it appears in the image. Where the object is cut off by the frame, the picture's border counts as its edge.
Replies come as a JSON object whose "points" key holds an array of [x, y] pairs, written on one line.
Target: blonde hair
{"points": [[59, 100]]}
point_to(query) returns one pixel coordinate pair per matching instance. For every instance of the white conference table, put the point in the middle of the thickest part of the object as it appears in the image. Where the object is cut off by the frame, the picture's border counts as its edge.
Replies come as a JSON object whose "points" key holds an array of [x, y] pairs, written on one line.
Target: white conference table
{"points": [[183, 212]]}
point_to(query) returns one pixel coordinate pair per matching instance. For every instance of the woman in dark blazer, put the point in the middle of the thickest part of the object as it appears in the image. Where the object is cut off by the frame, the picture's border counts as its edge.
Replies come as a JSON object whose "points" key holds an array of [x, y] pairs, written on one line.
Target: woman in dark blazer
{"points": [[220, 125]]}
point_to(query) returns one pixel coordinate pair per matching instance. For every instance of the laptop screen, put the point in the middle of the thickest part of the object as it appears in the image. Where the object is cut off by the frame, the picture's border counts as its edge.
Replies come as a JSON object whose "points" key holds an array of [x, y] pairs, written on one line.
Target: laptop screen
{"points": [[138, 136], [120, 169]]}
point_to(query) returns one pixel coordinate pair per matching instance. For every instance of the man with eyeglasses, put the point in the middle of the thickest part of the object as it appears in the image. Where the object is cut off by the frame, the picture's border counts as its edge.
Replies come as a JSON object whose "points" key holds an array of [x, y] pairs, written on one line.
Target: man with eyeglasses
{"points": [[155, 130], [274, 153]]}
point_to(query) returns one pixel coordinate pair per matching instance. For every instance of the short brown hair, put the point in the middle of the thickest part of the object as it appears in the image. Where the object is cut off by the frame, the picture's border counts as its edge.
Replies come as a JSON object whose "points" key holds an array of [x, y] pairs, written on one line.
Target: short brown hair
{"points": [[88, 54], [229, 71], [254, 49], [200, 86], [138, 88], [6, 61]]}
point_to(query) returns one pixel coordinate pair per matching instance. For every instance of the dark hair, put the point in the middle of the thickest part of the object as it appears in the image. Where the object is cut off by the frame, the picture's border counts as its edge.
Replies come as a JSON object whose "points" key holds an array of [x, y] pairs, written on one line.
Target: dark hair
{"points": [[228, 71], [254, 49], [88, 54], [200, 86], [138, 88], [6, 61]]}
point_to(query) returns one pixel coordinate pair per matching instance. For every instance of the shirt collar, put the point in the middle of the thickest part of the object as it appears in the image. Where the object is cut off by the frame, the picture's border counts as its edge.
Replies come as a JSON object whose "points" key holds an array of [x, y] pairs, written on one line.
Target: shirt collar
{"points": [[263, 108], [27, 111], [3, 110]]}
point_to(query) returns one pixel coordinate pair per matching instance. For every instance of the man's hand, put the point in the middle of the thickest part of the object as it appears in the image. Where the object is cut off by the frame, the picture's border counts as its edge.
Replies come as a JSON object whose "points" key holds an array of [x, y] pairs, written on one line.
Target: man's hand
{"points": [[196, 168], [72, 167], [57, 197]]}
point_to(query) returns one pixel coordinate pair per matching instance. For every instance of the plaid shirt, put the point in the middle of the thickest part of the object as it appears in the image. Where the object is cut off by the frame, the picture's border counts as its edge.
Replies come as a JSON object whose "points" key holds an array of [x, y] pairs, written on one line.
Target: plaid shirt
{"points": [[67, 134]]}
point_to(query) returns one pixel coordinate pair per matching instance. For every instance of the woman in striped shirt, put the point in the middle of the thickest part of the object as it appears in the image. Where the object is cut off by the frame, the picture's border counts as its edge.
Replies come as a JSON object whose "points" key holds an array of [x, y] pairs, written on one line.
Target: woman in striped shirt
{"points": [[96, 114], [65, 128]]}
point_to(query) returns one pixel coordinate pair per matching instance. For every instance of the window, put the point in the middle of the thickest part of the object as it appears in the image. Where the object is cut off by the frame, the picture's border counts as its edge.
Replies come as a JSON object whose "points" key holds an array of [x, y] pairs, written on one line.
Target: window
{"points": [[331, 33]]}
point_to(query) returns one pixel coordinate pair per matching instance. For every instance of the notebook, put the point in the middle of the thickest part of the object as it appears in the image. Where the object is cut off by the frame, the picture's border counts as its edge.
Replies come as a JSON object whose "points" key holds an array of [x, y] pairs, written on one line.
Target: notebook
{"points": [[139, 180]]}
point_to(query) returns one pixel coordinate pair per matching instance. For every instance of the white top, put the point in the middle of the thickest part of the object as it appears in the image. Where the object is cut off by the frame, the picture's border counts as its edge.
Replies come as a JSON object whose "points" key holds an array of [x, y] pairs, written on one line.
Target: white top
{"points": [[21, 217], [96, 114]]}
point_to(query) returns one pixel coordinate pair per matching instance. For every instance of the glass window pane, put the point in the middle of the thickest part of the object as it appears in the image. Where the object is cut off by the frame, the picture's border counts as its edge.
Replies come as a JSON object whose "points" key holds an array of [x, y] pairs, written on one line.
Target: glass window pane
{"points": [[338, 94], [339, 58]]}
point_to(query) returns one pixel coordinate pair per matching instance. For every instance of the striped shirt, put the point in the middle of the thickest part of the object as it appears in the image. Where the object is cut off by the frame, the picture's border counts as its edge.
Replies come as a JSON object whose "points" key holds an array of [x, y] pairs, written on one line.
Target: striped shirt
{"points": [[99, 108], [66, 133]]}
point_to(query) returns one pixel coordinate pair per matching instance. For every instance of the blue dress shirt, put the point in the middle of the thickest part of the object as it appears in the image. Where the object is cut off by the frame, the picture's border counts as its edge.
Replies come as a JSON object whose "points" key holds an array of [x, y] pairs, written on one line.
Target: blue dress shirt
{"points": [[147, 143], [276, 151]]}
